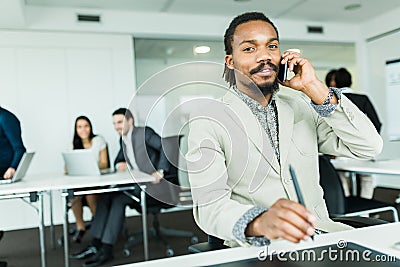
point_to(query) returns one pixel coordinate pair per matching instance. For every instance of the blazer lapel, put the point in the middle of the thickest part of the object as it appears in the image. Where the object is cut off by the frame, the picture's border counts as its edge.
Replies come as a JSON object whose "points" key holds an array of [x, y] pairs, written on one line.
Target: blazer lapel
{"points": [[286, 119], [248, 123]]}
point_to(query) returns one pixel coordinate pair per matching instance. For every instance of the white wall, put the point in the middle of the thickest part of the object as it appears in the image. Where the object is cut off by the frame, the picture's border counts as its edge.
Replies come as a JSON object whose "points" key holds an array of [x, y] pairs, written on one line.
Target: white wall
{"points": [[383, 46], [376, 53], [47, 80]]}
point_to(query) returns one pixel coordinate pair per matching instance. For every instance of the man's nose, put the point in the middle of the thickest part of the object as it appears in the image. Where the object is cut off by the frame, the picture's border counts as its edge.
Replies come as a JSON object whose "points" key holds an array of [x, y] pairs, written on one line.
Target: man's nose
{"points": [[264, 55]]}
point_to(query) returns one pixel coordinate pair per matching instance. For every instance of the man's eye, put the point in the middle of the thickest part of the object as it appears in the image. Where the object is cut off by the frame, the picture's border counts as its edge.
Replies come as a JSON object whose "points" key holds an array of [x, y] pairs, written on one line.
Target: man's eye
{"points": [[272, 46], [248, 49]]}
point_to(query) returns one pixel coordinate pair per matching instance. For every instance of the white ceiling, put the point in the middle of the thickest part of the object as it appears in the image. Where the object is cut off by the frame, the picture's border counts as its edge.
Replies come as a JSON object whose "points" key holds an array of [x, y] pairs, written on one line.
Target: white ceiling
{"points": [[325, 55], [315, 10]]}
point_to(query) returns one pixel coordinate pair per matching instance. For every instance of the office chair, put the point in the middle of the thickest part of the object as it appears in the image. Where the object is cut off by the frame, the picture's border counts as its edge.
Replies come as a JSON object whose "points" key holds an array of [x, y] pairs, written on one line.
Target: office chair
{"points": [[341, 206], [213, 243], [168, 191]]}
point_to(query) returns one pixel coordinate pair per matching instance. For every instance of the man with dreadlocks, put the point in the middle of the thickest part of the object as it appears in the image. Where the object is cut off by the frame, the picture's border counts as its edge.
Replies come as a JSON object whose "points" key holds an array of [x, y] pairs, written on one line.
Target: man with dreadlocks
{"points": [[241, 147]]}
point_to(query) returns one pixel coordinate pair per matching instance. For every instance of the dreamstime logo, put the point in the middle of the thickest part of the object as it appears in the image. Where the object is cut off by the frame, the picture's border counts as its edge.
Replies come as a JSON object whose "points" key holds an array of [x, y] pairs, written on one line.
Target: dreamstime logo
{"points": [[341, 244], [340, 253]]}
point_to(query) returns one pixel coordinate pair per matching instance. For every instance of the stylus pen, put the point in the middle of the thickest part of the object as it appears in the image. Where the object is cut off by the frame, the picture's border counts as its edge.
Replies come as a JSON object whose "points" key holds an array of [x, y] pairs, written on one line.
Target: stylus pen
{"points": [[297, 188]]}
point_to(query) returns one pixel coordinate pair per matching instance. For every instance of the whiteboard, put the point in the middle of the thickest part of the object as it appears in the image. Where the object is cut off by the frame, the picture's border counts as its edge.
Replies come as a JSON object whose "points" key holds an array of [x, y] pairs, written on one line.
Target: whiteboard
{"points": [[393, 98]]}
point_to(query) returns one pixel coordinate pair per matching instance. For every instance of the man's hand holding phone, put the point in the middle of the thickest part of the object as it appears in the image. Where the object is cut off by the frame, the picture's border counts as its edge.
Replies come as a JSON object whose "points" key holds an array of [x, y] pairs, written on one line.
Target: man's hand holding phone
{"points": [[285, 61], [305, 79]]}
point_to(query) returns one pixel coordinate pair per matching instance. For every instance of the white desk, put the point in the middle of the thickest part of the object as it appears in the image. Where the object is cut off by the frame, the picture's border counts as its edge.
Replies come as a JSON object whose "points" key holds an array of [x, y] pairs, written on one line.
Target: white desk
{"points": [[382, 167], [82, 185], [37, 185], [379, 238], [34, 189]]}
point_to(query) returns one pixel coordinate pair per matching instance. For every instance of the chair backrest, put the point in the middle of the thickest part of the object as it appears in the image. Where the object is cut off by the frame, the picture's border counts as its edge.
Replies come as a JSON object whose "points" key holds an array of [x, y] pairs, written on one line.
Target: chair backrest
{"points": [[332, 186], [166, 193], [215, 240], [170, 146]]}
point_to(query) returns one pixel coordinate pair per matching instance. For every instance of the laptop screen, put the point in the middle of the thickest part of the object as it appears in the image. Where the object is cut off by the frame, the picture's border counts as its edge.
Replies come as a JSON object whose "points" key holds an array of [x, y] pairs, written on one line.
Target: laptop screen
{"points": [[81, 162], [22, 168]]}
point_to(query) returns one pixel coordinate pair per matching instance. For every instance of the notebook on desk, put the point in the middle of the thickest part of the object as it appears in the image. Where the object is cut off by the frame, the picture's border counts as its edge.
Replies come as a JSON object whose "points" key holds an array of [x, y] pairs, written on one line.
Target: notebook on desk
{"points": [[81, 162], [351, 254], [21, 169]]}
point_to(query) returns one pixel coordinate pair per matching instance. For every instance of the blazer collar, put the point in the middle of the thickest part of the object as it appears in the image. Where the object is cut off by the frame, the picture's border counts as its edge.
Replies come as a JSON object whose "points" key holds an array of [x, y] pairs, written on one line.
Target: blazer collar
{"points": [[248, 123], [286, 119]]}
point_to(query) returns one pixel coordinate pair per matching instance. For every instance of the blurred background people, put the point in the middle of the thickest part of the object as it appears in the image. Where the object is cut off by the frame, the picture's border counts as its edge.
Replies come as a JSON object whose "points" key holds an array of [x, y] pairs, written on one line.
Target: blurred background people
{"points": [[140, 149], [341, 78], [84, 138]]}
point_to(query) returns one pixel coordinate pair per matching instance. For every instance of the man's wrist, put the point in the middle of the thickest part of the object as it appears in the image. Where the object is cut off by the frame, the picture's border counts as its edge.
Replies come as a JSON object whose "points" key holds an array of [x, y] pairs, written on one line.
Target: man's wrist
{"points": [[318, 92], [253, 228], [240, 227]]}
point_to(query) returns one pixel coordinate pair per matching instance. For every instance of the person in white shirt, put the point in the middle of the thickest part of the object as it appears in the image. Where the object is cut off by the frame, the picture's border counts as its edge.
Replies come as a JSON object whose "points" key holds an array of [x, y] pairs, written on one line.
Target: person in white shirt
{"points": [[84, 138]]}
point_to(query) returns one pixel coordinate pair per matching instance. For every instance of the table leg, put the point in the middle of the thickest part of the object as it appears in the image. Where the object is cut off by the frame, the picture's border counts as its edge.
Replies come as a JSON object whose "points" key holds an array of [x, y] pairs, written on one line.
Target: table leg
{"points": [[353, 176], [41, 230], [52, 232], [144, 224], [65, 232]]}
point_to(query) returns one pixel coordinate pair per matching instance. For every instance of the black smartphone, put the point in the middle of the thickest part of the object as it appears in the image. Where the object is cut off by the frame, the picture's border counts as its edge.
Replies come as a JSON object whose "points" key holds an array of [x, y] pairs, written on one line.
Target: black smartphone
{"points": [[282, 74]]}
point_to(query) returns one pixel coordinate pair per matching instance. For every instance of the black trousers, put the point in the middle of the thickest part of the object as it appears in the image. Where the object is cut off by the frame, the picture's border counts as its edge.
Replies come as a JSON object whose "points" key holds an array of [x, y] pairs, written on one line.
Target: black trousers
{"points": [[110, 214], [109, 217]]}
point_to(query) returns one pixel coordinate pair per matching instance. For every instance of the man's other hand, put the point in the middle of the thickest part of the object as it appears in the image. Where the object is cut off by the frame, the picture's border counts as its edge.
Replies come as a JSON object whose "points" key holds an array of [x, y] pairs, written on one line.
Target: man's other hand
{"points": [[284, 219]]}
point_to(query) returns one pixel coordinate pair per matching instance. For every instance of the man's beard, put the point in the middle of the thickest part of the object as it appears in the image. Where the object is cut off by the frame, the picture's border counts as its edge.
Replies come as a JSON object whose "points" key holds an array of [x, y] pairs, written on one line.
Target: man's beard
{"points": [[270, 87]]}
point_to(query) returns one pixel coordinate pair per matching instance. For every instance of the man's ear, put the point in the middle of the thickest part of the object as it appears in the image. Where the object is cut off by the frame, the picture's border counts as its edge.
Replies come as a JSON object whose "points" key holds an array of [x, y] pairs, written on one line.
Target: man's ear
{"points": [[229, 61], [131, 121]]}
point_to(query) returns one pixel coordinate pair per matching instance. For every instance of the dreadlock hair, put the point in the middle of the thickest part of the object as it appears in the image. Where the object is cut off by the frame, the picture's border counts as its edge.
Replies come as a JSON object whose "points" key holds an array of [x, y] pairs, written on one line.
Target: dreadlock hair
{"points": [[229, 74]]}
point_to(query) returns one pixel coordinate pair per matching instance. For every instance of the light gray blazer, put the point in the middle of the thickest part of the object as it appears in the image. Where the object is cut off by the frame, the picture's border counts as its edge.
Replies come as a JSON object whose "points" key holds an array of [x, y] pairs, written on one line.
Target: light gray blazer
{"points": [[232, 165]]}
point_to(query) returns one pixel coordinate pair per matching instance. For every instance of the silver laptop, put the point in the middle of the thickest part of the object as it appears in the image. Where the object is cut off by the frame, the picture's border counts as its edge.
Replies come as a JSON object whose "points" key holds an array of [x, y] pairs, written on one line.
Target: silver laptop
{"points": [[21, 169], [81, 162]]}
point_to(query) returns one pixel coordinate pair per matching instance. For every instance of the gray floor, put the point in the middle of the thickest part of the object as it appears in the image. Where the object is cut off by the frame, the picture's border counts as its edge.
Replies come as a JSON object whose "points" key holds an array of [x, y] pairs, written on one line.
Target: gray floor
{"points": [[21, 248]]}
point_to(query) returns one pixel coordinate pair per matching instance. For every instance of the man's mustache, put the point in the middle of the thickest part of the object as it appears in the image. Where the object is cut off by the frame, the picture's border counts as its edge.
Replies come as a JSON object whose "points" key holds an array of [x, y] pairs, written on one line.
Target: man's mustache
{"points": [[262, 65]]}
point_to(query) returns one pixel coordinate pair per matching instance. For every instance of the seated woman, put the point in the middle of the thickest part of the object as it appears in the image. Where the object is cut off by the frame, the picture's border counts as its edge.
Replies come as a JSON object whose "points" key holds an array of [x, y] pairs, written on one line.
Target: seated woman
{"points": [[84, 138]]}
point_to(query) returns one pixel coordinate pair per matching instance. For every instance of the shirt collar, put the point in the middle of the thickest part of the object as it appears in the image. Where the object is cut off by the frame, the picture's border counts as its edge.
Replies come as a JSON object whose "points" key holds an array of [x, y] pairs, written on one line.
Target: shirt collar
{"points": [[252, 102], [347, 90], [128, 137]]}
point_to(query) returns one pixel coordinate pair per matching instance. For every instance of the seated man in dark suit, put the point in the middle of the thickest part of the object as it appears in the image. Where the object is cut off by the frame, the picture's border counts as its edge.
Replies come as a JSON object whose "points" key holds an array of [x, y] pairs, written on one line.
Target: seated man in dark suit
{"points": [[141, 149], [341, 78]]}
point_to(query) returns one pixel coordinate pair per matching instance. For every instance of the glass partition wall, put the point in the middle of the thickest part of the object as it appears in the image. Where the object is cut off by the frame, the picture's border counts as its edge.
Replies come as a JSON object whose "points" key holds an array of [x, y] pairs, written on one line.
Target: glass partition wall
{"points": [[155, 104], [154, 55]]}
